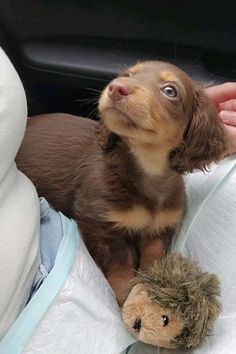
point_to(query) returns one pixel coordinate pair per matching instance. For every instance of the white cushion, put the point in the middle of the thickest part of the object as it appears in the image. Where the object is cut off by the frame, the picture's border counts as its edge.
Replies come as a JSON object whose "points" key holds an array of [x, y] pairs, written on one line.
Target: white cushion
{"points": [[19, 207]]}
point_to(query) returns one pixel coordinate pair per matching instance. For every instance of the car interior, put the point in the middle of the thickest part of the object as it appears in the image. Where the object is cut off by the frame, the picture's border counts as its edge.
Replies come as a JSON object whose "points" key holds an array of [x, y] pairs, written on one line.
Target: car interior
{"points": [[67, 51]]}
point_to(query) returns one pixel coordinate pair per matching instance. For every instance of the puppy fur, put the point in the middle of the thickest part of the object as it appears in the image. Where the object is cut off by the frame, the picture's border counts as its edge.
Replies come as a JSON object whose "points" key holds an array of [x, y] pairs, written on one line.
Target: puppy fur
{"points": [[121, 177]]}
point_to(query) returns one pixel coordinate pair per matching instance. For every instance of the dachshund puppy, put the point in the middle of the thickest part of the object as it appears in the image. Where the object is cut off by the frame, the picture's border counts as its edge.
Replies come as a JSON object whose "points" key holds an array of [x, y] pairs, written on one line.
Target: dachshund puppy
{"points": [[121, 177]]}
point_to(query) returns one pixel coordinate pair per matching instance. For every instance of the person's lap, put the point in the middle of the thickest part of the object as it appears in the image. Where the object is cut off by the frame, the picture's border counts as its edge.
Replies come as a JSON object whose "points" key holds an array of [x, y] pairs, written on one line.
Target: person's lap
{"points": [[208, 235], [51, 234]]}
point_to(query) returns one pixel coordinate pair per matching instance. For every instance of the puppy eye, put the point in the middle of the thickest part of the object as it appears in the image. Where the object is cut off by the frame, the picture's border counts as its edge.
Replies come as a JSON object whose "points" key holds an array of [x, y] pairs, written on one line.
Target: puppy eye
{"points": [[165, 320], [170, 91]]}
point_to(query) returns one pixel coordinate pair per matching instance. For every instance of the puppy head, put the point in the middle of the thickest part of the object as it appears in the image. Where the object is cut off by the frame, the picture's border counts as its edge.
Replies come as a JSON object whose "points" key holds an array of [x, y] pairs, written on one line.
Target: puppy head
{"points": [[156, 103]]}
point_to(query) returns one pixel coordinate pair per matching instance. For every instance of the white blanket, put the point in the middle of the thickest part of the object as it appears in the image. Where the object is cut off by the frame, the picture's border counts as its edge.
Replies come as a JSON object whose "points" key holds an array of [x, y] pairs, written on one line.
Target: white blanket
{"points": [[74, 312], [19, 207]]}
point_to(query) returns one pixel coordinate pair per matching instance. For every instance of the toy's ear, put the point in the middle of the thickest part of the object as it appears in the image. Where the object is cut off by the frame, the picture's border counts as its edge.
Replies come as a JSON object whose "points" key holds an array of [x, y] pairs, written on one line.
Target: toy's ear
{"points": [[210, 287], [204, 140], [209, 307], [205, 309], [106, 139]]}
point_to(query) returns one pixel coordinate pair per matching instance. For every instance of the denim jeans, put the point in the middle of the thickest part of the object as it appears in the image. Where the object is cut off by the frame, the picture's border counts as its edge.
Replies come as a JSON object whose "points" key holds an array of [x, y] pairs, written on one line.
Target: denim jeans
{"points": [[50, 238]]}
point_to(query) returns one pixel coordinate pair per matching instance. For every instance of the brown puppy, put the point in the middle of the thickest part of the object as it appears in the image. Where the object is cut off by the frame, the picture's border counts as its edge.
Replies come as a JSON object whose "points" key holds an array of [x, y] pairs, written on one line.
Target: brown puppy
{"points": [[120, 178]]}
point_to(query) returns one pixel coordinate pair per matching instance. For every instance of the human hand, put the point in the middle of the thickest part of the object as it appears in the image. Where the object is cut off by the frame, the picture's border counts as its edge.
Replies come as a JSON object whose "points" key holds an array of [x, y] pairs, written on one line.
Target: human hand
{"points": [[224, 98]]}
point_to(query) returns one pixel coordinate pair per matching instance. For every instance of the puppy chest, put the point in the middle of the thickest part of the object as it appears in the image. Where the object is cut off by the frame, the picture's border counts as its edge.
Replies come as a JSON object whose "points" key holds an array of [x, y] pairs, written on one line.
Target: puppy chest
{"points": [[138, 218]]}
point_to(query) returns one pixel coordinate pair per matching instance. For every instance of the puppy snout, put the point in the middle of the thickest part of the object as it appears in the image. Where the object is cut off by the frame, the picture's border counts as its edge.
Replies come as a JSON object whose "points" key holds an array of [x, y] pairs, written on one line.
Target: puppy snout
{"points": [[117, 90], [137, 325]]}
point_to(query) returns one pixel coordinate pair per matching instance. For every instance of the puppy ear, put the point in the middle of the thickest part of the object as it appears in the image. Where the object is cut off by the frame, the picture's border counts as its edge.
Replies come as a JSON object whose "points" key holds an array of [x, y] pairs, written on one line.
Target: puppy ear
{"points": [[106, 139], [204, 140]]}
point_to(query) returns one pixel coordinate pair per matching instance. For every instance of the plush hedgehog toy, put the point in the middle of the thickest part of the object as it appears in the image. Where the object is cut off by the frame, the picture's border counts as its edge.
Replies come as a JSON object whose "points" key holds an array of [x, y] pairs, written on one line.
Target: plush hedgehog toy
{"points": [[173, 304]]}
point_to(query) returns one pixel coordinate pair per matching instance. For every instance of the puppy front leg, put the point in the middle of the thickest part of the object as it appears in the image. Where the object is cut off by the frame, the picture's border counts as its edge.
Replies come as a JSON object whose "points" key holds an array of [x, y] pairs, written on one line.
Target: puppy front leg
{"points": [[152, 249], [121, 270]]}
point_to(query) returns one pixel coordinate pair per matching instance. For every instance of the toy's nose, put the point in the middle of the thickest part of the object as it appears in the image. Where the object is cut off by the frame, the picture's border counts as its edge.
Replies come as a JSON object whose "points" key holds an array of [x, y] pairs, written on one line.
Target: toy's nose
{"points": [[117, 90], [137, 324]]}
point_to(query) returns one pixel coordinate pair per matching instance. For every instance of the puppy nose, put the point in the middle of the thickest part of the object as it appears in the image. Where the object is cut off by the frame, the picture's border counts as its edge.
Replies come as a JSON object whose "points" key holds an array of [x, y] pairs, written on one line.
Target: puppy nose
{"points": [[137, 325], [117, 90]]}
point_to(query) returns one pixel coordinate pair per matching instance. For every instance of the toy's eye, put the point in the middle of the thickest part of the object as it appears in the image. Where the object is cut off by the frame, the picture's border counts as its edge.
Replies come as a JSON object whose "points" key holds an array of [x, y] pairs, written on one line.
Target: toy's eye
{"points": [[169, 91], [165, 320]]}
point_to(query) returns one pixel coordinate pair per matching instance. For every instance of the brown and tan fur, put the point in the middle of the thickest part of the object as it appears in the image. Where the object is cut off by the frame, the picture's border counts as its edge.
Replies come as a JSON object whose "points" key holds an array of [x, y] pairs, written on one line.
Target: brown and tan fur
{"points": [[121, 178]]}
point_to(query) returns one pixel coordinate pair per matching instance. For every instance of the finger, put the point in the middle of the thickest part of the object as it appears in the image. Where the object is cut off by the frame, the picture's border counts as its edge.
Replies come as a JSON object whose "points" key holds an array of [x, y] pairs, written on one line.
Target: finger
{"points": [[227, 106], [222, 93], [228, 118], [231, 133]]}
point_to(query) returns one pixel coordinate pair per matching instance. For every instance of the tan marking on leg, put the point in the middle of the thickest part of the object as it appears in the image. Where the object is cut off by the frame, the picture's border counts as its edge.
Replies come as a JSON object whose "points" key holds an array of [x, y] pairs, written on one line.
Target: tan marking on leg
{"points": [[152, 251], [119, 276]]}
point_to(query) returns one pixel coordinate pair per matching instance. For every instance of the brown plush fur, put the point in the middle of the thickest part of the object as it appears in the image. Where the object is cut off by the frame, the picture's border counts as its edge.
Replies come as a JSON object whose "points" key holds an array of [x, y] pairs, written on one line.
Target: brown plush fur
{"points": [[120, 177], [178, 285]]}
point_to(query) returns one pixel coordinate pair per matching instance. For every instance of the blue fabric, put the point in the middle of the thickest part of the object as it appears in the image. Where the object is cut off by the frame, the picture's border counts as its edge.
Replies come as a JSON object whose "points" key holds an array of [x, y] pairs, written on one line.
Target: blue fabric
{"points": [[50, 238]]}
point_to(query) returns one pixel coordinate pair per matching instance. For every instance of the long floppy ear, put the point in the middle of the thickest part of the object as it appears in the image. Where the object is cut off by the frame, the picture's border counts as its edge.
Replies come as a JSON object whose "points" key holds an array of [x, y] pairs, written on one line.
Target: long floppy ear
{"points": [[106, 139], [204, 140]]}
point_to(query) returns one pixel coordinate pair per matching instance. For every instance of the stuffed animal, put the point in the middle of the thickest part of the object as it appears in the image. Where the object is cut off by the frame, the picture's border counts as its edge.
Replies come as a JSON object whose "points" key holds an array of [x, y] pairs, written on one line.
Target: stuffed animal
{"points": [[173, 304]]}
